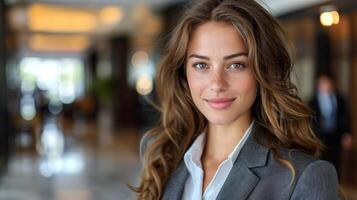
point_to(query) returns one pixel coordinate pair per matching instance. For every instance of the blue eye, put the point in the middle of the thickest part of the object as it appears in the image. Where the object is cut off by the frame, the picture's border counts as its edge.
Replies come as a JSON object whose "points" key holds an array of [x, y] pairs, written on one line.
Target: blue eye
{"points": [[200, 65], [236, 66]]}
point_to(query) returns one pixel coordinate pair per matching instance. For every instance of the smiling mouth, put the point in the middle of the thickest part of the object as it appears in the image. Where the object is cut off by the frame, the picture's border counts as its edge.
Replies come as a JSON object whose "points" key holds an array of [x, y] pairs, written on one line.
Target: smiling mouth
{"points": [[221, 103]]}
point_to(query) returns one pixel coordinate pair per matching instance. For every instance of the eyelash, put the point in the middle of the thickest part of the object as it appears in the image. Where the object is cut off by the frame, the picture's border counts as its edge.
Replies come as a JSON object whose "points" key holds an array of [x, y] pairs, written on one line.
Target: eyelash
{"points": [[239, 66], [195, 65]]}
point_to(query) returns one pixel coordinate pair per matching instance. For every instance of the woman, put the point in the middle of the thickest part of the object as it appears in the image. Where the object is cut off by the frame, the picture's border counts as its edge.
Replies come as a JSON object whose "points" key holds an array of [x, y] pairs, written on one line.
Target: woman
{"points": [[232, 126]]}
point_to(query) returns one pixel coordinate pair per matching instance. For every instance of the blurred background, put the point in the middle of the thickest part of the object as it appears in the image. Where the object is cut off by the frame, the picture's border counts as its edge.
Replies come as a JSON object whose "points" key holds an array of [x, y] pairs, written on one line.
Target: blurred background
{"points": [[77, 76]]}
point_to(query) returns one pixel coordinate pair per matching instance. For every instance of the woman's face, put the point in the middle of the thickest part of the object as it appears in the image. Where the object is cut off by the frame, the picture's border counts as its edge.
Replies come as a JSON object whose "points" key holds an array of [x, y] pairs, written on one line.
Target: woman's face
{"points": [[221, 82]]}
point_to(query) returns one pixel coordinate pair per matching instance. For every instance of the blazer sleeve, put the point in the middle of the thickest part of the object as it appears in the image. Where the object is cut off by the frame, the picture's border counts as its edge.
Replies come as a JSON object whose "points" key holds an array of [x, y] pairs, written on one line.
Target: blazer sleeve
{"points": [[317, 182]]}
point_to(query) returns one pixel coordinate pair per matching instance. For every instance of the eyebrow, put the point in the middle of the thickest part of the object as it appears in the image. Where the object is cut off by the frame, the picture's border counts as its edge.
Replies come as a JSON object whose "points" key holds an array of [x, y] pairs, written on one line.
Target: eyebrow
{"points": [[224, 58]]}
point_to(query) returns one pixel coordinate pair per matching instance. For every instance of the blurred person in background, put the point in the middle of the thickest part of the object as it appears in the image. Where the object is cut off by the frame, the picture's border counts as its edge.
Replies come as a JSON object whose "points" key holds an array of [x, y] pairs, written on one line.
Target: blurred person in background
{"points": [[331, 120], [41, 103], [232, 125]]}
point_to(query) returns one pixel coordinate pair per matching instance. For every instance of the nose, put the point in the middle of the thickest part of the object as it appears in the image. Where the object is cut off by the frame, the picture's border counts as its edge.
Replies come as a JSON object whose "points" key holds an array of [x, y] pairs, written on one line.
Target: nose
{"points": [[218, 81]]}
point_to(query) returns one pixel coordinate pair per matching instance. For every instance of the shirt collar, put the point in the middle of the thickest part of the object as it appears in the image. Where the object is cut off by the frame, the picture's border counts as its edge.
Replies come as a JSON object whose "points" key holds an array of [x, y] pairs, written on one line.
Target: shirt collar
{"points": [[192, 157], [193, 154]]}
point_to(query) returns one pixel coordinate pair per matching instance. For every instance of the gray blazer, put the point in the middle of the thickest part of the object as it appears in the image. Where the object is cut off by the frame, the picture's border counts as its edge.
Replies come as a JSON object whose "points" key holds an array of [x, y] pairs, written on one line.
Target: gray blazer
{"points": [[257, 175]]}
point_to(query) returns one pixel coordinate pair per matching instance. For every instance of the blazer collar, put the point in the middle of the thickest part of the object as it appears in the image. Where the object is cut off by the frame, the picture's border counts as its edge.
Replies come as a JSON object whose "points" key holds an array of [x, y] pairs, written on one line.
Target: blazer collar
{"points": [[241, 179], [254, 154], [175, 186]]}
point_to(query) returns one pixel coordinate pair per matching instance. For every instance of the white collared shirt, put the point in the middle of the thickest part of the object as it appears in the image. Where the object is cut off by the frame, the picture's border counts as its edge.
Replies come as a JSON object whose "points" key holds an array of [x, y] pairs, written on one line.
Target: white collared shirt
{"points": [[192, 158]]}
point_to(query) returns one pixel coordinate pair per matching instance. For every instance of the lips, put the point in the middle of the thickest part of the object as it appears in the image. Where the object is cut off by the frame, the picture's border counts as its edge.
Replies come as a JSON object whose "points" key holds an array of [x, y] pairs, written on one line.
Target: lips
{"points": [[220, 103]]}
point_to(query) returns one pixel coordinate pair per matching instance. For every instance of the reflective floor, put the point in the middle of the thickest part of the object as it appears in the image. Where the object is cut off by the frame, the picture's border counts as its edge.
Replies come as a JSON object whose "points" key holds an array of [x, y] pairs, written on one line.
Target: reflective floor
{"points": [[73, 161], [74, 164]]}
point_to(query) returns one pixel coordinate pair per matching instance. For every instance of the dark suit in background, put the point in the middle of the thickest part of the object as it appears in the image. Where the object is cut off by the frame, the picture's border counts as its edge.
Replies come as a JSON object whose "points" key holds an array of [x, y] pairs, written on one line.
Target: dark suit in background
{"points": [[331, 131]]}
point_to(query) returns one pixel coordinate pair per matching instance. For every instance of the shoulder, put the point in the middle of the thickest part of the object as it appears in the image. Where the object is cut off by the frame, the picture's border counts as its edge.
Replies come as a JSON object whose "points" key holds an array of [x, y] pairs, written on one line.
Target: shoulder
{"points": [[313, 101], [309, 175], [314, 178], [318, 180], [304, 163], [299, 159]]}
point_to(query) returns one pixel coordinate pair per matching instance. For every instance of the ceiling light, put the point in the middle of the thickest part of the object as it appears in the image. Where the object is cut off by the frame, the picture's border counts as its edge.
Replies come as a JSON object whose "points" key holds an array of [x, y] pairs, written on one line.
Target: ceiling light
{"points": [[51, 18], [59, 43], [329, 15], [110, 15]]}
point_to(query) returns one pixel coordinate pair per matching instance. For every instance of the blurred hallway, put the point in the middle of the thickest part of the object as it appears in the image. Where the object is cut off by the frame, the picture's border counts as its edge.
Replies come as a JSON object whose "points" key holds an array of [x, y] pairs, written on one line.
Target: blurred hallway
{"points": [[91, 166]]}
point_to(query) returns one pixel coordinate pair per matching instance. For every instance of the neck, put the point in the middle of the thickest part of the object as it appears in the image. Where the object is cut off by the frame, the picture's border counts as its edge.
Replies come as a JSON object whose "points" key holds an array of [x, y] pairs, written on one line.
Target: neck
{"points": [[221, 139]]}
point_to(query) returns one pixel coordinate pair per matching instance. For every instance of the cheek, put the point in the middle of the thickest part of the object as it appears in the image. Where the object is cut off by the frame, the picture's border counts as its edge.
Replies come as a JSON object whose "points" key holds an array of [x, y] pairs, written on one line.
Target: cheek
{"points": [[251, 84], [248, 87], [196, 87], [252, 88]]}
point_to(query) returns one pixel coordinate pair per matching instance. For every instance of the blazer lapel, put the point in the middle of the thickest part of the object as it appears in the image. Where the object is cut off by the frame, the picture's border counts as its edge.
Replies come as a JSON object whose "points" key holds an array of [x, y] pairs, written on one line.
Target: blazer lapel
{"points": [[240, 182], [176, 184], [241, 179]]}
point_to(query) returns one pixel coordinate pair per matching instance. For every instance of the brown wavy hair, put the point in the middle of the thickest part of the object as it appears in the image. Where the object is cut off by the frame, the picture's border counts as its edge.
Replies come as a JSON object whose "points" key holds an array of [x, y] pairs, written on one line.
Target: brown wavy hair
{"points": [[277, 107]]}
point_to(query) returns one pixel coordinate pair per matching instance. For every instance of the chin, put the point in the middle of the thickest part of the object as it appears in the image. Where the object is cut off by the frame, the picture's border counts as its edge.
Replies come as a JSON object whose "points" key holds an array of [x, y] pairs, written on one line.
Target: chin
{"points": [[216, 120]]}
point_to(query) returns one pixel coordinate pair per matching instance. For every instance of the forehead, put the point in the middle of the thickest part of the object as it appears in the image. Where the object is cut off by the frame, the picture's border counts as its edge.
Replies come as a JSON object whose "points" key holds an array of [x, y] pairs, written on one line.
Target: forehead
{"points": [[217, 37]]}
